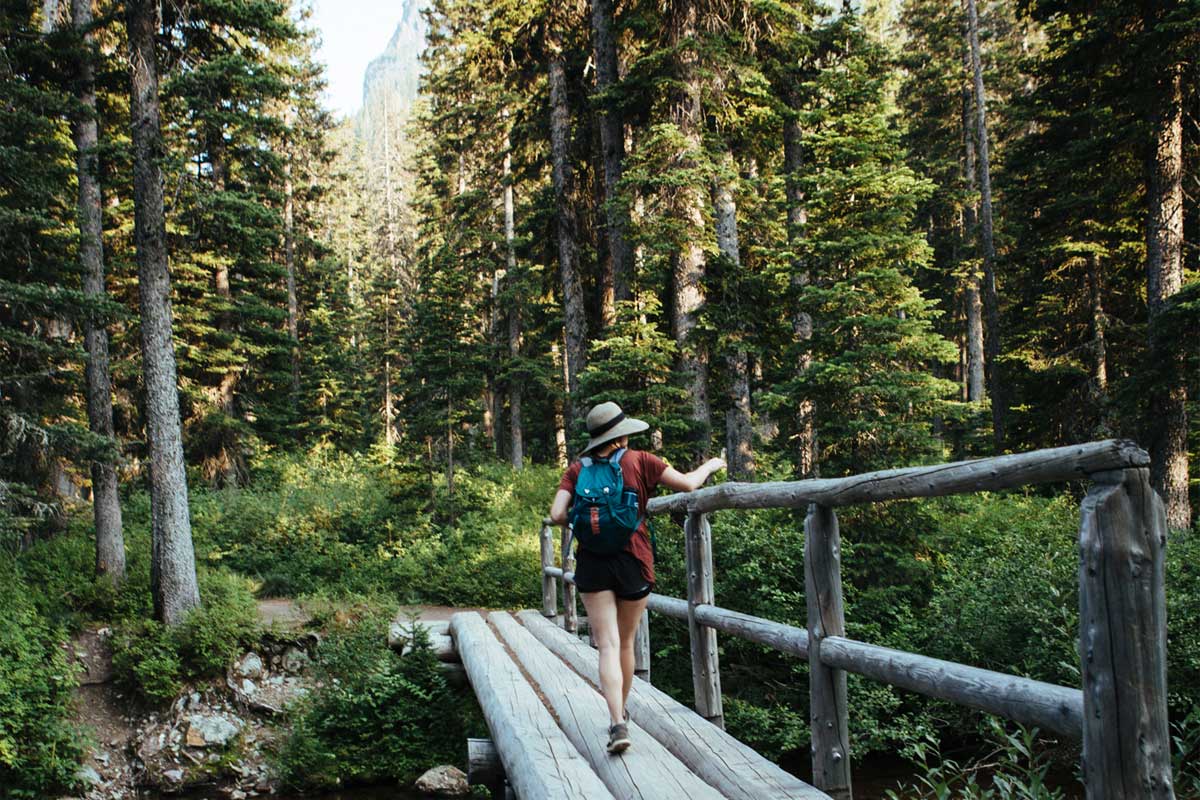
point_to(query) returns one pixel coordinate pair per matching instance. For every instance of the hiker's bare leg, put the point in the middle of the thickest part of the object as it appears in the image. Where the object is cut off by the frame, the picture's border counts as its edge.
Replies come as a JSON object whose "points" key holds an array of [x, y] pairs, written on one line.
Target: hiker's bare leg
{"points": [[629, 616], [602, 617]]}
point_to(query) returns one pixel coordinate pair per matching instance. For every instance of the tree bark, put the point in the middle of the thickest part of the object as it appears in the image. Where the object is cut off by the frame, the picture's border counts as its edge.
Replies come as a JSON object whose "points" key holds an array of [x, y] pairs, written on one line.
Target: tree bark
{"points": [[1164, 272], [173, 561], [515, 382], [574, 319], [1099, 389], [991, 301], [106, 505], [612, 145], [802, 323], [560, 425], [289, 258], [971, 300], [689, 265], [738, 424], [389, 400]]}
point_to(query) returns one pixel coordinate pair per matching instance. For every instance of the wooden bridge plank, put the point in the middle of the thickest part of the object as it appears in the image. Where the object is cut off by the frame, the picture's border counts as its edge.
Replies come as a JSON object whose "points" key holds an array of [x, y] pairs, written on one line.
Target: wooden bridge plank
{"points": [[540, 762], [647, 770], [726, 764]]}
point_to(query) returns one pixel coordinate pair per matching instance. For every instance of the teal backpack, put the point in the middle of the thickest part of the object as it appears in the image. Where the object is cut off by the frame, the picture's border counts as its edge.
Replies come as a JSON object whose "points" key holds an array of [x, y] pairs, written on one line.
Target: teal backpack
{"points": [[605, 514]]}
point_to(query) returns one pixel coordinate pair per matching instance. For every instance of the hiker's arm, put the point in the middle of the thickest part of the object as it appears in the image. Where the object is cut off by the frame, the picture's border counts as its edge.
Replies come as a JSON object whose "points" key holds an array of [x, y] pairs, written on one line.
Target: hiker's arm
{"points": [[558, 509], [691, 481]]}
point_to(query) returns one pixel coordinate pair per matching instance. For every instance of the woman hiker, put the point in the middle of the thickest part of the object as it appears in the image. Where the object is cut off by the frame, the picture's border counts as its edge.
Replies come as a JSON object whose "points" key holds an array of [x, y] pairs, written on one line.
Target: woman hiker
{"points": [[615, 587]]}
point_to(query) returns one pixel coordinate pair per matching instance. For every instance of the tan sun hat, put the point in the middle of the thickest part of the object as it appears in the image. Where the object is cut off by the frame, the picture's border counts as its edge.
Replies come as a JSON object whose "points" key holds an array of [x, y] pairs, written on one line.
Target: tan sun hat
{"points": [[606, 422]]}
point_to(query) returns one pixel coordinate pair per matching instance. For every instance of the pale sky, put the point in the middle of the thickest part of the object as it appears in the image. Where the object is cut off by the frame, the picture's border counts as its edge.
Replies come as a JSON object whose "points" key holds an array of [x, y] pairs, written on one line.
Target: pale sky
{"points": [[353, 32]]}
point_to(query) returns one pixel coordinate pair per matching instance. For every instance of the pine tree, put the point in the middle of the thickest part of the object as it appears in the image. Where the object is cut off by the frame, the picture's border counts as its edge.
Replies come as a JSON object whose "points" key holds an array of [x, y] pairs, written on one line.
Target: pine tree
{"points": [[873, 340]]}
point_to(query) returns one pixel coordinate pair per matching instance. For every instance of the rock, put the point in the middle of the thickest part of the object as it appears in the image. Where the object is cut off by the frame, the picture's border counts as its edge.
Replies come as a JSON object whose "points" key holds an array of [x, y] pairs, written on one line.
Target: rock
{"points": [[295, 660], [238, 794], [211, 731], [444, 781], [248, 686], [251, 666], [173, 776], [102, 758], [86, 774]]}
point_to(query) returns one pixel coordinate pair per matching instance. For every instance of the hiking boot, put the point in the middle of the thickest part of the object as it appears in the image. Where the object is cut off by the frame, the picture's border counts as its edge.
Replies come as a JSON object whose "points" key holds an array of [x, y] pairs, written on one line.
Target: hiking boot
{"points": [[618, 738]]}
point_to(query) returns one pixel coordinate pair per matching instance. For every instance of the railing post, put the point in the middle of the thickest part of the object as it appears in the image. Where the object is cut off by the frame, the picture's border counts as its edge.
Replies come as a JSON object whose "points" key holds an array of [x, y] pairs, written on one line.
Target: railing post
{"points": [[570, 610], [549, 587], [829, 715], [641, 649], [1123, 639], [706, 674]]}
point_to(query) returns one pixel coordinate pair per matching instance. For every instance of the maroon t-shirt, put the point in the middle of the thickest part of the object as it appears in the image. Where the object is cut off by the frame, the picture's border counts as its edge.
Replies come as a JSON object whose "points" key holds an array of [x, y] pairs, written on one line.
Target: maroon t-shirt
{"points": [[641, 472]]}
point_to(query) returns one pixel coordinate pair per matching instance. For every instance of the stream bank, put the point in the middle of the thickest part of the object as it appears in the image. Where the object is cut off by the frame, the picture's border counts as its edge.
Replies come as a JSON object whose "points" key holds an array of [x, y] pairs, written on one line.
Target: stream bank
{"points": [[216, 738]]}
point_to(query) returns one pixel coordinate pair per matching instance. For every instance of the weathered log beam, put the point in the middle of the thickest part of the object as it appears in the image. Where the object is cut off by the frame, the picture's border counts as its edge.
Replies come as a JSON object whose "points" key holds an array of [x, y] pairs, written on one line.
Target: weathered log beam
{"points": [[1123, 639], [728, 765], [828, 710], [400, 637], [647, 770], [706, 673], [985, 474], [549, 587], [1057, 709], [484, 767], [539, 760], [674, 607], [641, 648], [570, 607]]}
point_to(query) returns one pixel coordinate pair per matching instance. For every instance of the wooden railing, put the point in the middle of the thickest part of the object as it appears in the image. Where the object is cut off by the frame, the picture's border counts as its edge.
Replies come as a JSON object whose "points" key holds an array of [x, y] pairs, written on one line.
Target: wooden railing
{"points": [[1119, 714]]}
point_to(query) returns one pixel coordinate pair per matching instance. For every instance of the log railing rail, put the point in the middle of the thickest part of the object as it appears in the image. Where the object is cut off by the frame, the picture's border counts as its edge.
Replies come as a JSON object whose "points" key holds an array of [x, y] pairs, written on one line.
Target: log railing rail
{"points": [[1119, 714]]}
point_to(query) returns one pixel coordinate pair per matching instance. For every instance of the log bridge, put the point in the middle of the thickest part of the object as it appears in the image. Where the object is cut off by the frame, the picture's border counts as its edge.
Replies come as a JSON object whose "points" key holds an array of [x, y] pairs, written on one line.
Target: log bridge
{"points": [[536, 680]]}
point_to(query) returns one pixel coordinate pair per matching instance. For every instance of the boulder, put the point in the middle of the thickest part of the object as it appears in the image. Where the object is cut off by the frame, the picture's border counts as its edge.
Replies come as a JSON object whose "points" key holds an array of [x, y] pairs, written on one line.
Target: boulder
{"points": [[211, 731], [87, 775], [295, 660], [250, 666], [444, 781]]}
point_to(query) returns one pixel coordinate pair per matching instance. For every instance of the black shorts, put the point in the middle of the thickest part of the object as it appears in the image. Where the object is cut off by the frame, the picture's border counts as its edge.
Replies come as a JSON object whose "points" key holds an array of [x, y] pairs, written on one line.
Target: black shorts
{"points": [[620, 573]]}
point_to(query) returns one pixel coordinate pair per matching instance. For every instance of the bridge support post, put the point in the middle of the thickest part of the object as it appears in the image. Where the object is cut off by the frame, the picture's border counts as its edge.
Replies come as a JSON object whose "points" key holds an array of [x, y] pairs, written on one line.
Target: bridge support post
{"points": [[570, 609], [706, 673], [641, 648], [549, 589], [1123, 639], [829, 714]]}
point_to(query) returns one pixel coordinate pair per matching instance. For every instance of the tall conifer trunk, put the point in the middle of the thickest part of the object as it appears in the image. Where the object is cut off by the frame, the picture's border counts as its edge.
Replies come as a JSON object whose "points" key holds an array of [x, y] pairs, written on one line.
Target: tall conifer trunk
{"points": [[389, 400], [289, 260], [991, 300], [1096, 322], [106, 505], [173, 560], [802, 323], [574, 319], [738, 425], [612, 145], [1164, 272], [515, 423], [971, 301], [688, 265]]}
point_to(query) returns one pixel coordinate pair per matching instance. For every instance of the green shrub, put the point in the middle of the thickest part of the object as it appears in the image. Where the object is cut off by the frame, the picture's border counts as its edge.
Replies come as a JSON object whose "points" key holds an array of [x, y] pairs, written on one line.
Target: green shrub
{"points": [[39, 750], [376, 717], [1016, 769], [155, 660]]}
